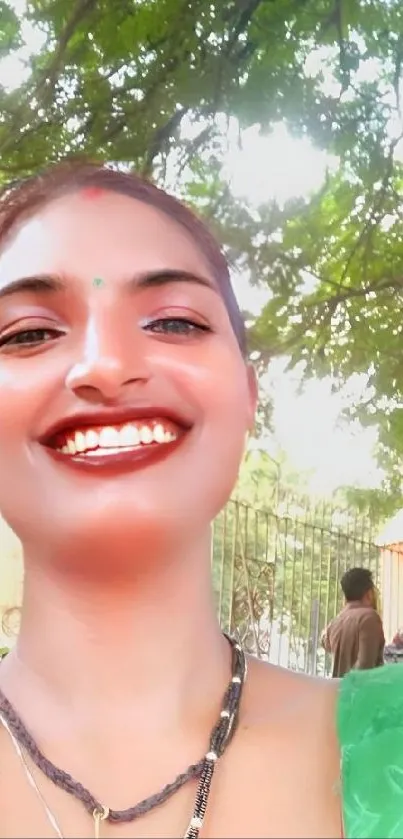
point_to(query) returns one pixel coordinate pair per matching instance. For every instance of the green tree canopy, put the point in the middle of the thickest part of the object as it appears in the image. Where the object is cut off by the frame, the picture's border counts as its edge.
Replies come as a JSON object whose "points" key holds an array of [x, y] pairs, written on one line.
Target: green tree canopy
{"points": [[116, 81]]}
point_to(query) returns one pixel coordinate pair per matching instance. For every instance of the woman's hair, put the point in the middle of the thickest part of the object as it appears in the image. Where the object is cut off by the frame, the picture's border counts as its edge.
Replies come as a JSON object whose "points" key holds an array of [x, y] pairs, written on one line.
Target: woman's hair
{"points": [[21, 199]]}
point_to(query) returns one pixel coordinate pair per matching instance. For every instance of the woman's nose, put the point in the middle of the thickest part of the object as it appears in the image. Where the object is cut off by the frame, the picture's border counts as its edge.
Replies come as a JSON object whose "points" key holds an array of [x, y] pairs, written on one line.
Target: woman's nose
{"points": [[109, 360]]}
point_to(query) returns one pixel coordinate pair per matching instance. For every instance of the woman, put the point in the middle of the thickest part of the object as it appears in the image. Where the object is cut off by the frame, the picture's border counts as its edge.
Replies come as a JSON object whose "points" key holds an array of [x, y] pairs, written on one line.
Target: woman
{"points": [[126, 397]]}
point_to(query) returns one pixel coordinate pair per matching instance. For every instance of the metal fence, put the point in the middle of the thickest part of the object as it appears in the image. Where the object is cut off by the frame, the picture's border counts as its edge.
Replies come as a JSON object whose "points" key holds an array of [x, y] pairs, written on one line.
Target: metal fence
{"points": [[277, 575]]}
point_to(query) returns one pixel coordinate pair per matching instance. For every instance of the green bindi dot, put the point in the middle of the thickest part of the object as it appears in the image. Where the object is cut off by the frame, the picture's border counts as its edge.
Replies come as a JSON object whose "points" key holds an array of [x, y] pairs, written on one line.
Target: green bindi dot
{"points": [[98, 282]]}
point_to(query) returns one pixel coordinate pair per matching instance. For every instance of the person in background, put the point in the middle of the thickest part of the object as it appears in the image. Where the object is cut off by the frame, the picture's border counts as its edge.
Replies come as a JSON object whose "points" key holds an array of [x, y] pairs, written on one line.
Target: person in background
{"points": [[355, 638]]}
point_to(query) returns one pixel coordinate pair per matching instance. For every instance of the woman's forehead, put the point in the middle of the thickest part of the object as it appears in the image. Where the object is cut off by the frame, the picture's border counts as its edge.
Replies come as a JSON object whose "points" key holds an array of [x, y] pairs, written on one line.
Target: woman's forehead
{"points": [[104, 229]]}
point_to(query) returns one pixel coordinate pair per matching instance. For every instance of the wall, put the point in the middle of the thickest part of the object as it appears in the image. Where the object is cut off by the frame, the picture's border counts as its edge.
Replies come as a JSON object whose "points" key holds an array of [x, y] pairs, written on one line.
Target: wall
{"points": [[392, 589]]}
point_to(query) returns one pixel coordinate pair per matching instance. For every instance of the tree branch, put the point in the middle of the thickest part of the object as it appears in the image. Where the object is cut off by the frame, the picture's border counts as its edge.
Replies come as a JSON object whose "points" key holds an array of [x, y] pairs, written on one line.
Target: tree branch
{"points": [[243, 22], [162, 136], [376, 209], [397, 75], [344, 71], [50, 73], [332, 303]]}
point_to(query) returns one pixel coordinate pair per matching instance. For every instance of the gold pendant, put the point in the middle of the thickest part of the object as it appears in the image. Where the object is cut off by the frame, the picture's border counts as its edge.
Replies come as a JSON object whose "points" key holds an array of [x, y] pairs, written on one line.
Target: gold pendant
{"points": [[99, 815]]}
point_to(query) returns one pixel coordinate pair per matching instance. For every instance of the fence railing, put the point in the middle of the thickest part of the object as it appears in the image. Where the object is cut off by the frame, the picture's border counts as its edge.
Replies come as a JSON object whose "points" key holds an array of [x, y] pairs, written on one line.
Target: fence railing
{"points": [[277, 573]]}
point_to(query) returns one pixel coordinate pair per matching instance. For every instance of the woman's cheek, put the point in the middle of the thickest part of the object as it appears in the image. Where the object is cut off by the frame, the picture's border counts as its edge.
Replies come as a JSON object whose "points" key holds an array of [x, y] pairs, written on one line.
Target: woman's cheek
{"points": [[12, 382], [23, 388]]}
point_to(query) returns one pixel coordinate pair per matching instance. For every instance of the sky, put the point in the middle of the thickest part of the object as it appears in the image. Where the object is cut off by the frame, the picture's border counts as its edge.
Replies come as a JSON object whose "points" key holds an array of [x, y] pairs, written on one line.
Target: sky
{"points": [[307, 425]]}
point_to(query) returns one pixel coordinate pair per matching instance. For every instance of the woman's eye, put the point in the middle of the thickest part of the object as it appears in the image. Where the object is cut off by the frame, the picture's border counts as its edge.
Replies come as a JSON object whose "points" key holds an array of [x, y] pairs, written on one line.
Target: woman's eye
{"points": [[175, 326], [28, 337]]}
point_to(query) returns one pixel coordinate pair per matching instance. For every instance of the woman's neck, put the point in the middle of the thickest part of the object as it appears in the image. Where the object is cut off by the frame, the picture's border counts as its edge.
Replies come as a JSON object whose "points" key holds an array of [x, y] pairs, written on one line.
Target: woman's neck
{"points": [[135, 644]]}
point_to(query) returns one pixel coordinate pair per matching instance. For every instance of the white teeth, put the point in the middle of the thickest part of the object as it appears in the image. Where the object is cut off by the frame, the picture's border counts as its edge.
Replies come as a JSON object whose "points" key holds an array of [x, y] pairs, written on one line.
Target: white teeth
{"points": [[159, 434], [146, 435], [129, 436], [91, 439], [79, 439], [109, 438]]}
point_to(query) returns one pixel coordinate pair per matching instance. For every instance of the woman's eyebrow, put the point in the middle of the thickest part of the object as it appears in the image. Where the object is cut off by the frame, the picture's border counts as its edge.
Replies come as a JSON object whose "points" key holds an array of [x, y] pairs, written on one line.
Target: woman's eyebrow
{"points": [[38, 283], [47, 283], [149, 279]]}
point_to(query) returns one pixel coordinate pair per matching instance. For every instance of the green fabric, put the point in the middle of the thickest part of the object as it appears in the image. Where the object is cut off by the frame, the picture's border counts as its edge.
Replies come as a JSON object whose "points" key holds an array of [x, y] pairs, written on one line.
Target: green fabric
{"points": [[370, 728]]}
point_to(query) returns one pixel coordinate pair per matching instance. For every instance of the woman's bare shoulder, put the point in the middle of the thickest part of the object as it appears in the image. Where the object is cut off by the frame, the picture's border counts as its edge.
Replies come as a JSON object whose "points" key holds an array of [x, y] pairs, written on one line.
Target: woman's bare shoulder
{"points": [[301, 710], [276, 689], [289, 729]]}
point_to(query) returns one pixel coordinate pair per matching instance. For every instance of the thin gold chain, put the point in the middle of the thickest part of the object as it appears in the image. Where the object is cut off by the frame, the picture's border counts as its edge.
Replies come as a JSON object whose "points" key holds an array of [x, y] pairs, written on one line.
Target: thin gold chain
{"points": [[51, 817], [220, 737], [99, 815]]}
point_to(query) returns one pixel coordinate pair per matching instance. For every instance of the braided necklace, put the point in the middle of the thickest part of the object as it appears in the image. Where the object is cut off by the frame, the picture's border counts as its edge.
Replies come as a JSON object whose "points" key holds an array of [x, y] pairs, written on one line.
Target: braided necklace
{"points": [[220, 737]]}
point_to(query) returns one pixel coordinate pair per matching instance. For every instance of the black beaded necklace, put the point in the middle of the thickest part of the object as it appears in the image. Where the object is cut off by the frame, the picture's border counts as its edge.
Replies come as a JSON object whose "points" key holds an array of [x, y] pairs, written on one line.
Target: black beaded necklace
{"points": [[220, 737]]}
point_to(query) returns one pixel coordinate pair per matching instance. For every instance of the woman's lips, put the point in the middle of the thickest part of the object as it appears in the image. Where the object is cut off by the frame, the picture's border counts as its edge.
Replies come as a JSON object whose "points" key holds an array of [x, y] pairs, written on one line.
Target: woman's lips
{"points": [[127, 444]]}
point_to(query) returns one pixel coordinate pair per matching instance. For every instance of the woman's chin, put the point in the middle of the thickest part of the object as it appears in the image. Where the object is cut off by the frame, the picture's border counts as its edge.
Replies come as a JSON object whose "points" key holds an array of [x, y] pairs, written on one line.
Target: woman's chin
{"points": [[91, 536], [131, 515]]}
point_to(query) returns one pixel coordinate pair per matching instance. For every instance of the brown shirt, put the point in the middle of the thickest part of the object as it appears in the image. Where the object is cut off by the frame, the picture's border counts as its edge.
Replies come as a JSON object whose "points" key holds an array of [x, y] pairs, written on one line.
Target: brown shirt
{"points": [[355, 638]]}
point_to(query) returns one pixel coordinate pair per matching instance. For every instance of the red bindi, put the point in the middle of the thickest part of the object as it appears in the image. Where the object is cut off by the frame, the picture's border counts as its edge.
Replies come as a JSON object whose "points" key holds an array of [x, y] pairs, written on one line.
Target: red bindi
{"points": [[92, 192]]}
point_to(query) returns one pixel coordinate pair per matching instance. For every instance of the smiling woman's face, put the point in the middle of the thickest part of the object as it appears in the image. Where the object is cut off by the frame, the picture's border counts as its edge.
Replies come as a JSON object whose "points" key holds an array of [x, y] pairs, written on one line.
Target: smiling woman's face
{"points": [[124, 397]]}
